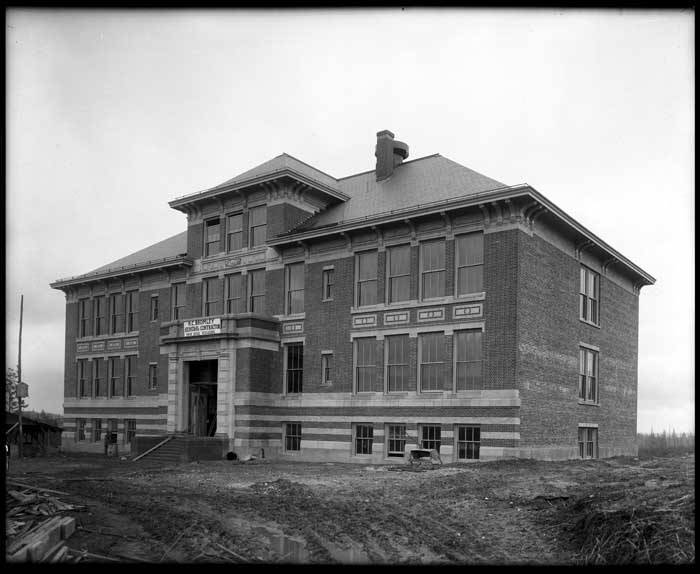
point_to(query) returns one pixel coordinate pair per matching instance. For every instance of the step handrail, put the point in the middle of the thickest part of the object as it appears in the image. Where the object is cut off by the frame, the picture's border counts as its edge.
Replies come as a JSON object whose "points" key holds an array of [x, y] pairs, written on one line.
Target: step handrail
{"points": [[161, 443]]}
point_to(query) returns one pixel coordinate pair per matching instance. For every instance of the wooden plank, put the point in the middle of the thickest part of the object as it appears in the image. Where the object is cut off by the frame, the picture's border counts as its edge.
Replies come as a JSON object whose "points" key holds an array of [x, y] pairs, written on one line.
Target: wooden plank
{"points": [[23, 485]]}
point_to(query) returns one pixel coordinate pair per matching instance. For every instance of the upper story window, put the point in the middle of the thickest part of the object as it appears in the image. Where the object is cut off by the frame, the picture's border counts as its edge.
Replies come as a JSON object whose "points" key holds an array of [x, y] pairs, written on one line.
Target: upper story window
{"points": [[470, 263], [432, 269], [153, 376], [294, 278], [116, 313], [399, 273], [98, 306], [83, 317], [396, 362], [588, 375], [154, 308], [83, 378], [212, 296], [589, 296], [257, 224], [327, 284], [234, 230], [295, 367], [115, 376], [212, 237], [365, 364], [432, 360], [177, 298], [132, 308], [468, 360], [256, 288], [327, 368], [129, 374], [366, 282], [235, 301], [97, 374]]}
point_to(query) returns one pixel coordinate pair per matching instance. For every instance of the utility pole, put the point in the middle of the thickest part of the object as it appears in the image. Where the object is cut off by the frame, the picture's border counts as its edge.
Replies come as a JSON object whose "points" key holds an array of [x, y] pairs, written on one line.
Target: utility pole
{"points": [[19, 376]]}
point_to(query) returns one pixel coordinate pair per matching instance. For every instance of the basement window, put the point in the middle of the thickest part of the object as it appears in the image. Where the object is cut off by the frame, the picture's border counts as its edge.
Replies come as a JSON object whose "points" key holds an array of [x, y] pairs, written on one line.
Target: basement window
{"points": [[395, 440], [292, 437], [363, 439], [96, 430], [588, 442], [468, 442], [430, 437]]}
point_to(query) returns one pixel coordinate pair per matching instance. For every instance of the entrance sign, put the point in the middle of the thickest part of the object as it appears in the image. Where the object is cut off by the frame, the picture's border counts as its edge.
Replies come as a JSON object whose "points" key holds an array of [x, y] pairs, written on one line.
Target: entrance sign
{"points": [[197, 327]]}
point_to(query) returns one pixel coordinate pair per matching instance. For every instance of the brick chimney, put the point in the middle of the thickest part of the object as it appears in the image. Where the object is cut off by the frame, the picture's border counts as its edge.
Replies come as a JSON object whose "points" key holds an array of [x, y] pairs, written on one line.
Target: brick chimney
{"points": [[390, 153]]}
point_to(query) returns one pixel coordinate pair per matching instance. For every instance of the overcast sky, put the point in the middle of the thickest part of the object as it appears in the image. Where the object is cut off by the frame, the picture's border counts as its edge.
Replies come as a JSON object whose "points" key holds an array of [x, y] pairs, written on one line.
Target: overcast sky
{"points": [[111, 114]]}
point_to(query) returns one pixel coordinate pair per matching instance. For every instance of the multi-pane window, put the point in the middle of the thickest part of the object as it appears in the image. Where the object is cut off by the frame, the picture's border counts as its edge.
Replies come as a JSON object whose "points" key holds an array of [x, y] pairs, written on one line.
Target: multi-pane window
{"points": [[397, 363], [432, 258], [235, 302], [96, 430], [212, 296], [295, 367], [589, 296], [468, 360], [212, 237], [430, 437], [153, 376], [327, 282], [130, 427], [98, 306], [154, 308], [116, 313], [366, 283], [132, 306], [256, 288], [363, 439], [399, 273], [83, 378], [395, 440], [234, 230], [470, 263], [257, 225], [80, 429], [468, 441], [327, 368], [129, 374], [177, 298], [588, 442], [294, 278], [432, 359], [588, 375], [83, 318], [97, 377], [115, 377], [365, 364], [292, 436]]}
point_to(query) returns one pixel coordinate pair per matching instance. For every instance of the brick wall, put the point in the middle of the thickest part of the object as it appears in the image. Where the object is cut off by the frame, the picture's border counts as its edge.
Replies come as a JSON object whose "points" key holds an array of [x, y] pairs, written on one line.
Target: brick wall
{"points": [[70, 388], [258, 370], [195, 239]]}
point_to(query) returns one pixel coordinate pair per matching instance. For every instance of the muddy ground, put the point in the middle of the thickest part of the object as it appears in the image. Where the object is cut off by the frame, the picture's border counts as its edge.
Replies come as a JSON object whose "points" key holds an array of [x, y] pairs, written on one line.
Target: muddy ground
{"points": [[505, 512]]}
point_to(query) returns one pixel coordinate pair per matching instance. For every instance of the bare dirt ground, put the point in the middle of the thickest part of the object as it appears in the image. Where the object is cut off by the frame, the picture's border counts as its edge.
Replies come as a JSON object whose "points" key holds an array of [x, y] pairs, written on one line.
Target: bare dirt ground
{"points": [[621, 510]]}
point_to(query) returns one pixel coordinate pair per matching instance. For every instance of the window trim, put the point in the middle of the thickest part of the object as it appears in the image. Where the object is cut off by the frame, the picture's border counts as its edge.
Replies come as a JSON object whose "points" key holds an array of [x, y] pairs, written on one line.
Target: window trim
{"points": [[357, 290], [355, 438], [389, 276], [327, 272], [407, 365], [210, 222], [586, 271], [419, 361], [421, 272], [458, 266]]}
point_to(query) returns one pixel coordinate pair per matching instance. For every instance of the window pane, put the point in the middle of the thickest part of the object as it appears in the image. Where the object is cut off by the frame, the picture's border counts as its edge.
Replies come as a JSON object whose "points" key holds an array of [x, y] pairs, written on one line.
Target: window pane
{"points": [[470, 249], [367, 265]]}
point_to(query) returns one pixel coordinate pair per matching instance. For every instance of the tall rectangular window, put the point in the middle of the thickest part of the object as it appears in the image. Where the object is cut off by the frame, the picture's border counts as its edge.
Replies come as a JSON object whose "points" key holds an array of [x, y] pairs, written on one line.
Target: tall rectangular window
{"points": [[430, 437], [116, 313], [212, 296], [132, 311], [256, 288], [588, 442], [257, 224], [366, 282], [129, 374], [363, 439], [212, 237], [432, 260], [395, 440], [588, 375], [80, 429], [99, 313], [468, 442], [326, 369], [468, 360], [432, 360], [83, 317], [153, 376], [177, 298], [295, 367], [98, 382], [292, 436], [235, 302], [83, 378], [589, 296], [470, 263], [154, 308], [234, 230], [130, 430], [397, 363], [115, 377], [365, 364], [399, 273], [327, 284], [294, 278], [96, 430]]}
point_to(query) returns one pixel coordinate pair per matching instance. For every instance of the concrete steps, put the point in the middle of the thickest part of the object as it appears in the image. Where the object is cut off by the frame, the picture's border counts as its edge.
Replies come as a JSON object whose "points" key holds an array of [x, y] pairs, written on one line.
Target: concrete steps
{"points": [[172, 452]]}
